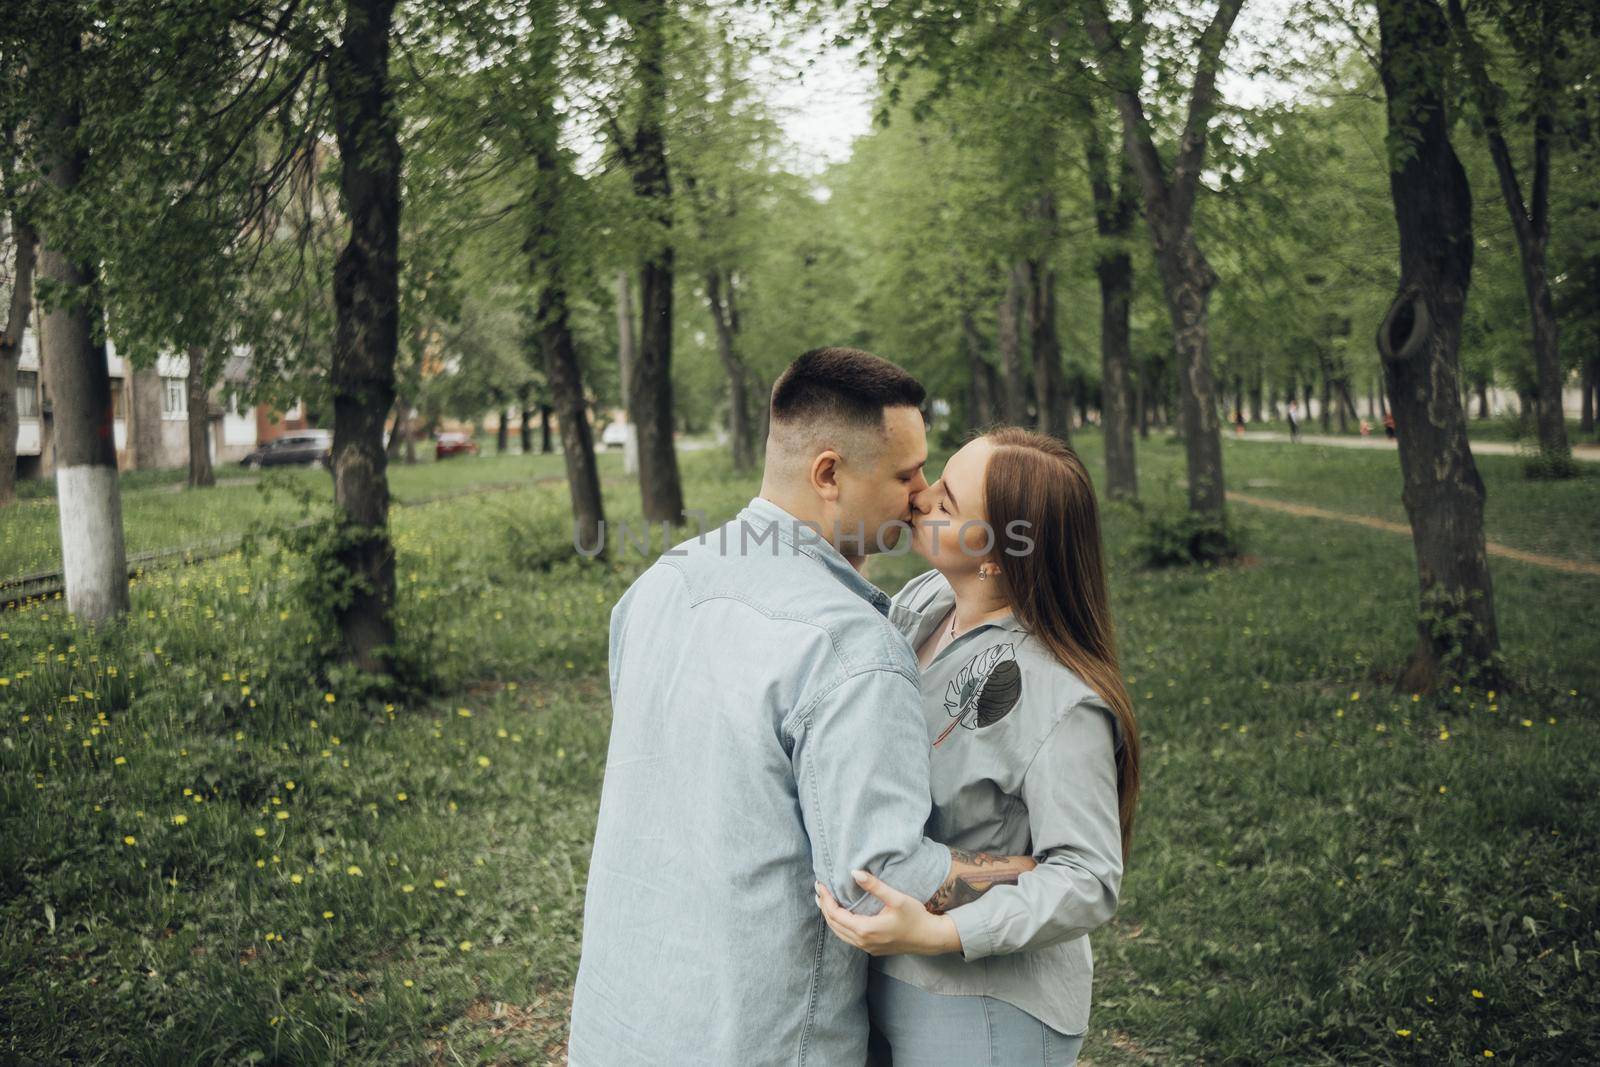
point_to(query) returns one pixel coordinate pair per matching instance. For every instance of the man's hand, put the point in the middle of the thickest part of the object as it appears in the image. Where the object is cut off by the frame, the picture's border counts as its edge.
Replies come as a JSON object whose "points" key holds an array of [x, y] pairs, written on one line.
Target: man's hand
{"points": [[904, 926]]}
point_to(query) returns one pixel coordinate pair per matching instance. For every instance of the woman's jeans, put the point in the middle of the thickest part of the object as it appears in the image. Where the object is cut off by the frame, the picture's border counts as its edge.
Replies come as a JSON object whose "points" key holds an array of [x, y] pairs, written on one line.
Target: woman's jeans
{"points": [[914, 1028]]}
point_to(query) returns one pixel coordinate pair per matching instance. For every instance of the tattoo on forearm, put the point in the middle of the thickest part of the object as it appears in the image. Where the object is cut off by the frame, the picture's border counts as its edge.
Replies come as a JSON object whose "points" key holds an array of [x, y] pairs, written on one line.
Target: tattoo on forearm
{"points": [[973, 874]]}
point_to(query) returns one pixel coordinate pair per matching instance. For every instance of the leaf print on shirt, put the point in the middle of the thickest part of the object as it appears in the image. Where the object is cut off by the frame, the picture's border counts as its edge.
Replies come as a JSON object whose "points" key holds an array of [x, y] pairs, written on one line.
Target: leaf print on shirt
{"points": [[984, 690]]}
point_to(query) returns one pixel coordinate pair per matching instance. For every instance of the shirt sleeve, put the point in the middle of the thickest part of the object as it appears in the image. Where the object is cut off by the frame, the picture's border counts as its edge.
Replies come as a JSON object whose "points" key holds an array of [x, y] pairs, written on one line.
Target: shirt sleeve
{"points": [[1070, 790], [860, 757]]}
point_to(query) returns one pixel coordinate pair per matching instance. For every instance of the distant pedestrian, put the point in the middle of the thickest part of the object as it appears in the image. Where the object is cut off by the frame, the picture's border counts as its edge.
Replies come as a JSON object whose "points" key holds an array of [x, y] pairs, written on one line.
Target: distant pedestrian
{"points": [[1366, 428], [1388, 424], [1294, 422], [1238, 423]]}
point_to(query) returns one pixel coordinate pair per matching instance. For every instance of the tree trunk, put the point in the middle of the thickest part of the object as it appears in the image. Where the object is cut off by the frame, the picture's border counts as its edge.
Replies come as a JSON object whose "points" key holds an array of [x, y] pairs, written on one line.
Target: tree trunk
{"points": [[23, 243], [650, 387], [201, 475], [577, 438], [1586, 412], [1418, 343], [366, 329], [1114, 208], [1186, 278], [525, 421], [502, 433], [1054, 416], [89, 502], [1530, 222], [720, 297], [983, 384], [627, 355], [548, 266], [1015, 396], [1256, 388], [545, 445]]}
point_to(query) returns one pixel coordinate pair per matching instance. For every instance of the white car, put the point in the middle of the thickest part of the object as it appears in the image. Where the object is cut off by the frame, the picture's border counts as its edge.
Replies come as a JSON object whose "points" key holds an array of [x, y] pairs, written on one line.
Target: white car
{"points": [[615, 435]]}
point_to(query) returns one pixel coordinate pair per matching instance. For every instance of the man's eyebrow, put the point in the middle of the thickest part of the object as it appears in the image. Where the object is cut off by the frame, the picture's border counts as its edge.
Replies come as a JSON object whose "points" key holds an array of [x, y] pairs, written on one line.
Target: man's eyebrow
{"points": [[914, 468]]}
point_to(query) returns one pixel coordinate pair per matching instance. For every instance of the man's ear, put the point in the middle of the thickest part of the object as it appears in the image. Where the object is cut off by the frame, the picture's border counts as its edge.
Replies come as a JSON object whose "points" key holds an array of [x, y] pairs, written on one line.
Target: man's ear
{"points": [[825, 475]]}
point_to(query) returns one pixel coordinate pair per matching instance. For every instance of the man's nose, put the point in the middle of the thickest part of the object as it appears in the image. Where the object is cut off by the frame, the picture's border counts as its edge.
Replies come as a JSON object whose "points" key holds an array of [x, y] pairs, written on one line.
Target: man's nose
{"points": [[921, 499]]}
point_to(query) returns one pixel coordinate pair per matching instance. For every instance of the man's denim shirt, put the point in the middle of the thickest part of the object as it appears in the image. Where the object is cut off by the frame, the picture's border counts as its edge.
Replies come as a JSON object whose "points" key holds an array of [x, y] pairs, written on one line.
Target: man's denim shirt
{"points": [[767, 731]]}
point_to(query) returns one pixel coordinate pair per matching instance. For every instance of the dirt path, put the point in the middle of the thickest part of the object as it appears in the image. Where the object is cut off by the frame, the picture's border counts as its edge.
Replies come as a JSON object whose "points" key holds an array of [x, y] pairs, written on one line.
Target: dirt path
{"points": [[1583, 452], [1555, 563]]}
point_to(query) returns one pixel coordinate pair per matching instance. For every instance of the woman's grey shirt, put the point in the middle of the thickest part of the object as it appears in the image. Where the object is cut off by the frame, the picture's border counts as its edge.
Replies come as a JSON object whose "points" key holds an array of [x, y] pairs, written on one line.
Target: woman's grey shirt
{"points": [[1022, 763]]}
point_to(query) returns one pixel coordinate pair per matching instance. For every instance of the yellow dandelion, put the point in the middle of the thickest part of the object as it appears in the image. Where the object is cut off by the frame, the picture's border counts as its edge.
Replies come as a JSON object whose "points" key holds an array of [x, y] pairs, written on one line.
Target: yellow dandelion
{"points": [[1527, 722], [297, 878], [353, 871], [261, 831], [1442, 789], [120, 760], [465, 713], [329, 697], [327, 915], [129, 839], [408, 888], [179, 820], [408, 983], [466, 946], [483, 761], [1403, 1033], [282, 815], [401, 797], [438, 883], [1477, 994]]}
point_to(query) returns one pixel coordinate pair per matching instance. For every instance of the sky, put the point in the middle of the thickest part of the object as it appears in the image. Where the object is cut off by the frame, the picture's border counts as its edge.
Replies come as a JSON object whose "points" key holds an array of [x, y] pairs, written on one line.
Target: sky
{"points": [[824, 96]]}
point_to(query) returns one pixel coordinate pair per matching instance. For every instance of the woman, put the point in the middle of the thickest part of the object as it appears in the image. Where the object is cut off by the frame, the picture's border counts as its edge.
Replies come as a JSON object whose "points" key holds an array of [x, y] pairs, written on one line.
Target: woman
{"points": [[1034, 751]]}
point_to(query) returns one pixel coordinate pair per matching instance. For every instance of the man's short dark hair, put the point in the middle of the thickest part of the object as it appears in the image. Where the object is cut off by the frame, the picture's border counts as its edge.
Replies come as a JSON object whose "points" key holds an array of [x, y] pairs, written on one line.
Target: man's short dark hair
{"points": [[842, 384]]}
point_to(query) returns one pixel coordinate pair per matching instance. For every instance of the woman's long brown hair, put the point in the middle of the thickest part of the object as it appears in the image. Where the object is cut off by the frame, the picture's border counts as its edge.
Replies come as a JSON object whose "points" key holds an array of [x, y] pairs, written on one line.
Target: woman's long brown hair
{"points": [[1058, 588]]}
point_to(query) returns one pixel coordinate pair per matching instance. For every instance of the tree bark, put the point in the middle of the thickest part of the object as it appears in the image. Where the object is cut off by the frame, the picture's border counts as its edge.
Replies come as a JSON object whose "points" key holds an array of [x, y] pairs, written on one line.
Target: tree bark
{"points": [[650, 387], [548, 266], [366, 330], [1586, 412], [983, 384], [1530, 221], [201, 474], [1054, 415], [1114, 208], [502, 433], [724, 314], [24, 244], [1418, 342], [525, 420], [1014, 378], [1186, 277]]}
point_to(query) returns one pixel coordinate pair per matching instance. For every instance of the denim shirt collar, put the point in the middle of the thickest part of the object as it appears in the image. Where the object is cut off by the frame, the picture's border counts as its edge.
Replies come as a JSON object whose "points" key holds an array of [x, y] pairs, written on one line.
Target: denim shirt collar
{"points": [[762, 510]]}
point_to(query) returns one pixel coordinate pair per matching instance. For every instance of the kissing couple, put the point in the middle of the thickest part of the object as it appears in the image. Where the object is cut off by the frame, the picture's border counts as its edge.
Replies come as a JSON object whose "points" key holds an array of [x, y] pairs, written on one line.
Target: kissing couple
{"points": [[842, 828]]}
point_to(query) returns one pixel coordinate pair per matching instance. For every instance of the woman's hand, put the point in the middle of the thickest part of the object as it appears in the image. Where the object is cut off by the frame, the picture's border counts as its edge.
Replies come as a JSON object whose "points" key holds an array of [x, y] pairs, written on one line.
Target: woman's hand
{"points": [[905, 927]]}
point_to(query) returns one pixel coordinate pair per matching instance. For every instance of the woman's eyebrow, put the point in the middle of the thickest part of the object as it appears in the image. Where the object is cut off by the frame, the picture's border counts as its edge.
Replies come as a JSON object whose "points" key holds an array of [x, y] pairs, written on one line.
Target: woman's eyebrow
{"points": [[952, 496]]}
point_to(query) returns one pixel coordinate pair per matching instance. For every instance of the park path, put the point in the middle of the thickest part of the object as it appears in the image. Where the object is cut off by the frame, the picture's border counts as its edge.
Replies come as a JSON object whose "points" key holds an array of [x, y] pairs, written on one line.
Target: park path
{"points": [[1495, 548], [1585, 452]]}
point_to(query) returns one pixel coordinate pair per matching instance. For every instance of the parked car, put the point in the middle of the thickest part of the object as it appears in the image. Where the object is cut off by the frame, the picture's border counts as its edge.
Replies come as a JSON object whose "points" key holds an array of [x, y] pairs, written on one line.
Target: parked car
{"points": [[298, 446], [615, 435], [449, 443]]}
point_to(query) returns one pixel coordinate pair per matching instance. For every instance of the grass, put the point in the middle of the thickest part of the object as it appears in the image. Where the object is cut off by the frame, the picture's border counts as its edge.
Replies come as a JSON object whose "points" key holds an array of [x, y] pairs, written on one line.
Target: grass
{"points": [[159, 514], [1320, 863]]}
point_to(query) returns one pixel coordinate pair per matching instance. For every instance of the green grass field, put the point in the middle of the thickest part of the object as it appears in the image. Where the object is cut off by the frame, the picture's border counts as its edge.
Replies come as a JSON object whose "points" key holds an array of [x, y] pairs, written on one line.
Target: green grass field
{"points": [[207, 855]]}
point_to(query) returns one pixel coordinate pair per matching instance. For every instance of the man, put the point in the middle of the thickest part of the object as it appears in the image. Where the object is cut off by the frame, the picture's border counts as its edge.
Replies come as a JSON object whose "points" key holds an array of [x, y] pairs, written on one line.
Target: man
{"points": [[767, 733]]}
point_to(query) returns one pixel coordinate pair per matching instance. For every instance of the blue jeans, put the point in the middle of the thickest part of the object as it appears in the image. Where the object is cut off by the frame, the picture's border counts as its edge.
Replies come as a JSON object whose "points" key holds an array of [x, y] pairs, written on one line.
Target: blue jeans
{"points": [[914, 1028]]}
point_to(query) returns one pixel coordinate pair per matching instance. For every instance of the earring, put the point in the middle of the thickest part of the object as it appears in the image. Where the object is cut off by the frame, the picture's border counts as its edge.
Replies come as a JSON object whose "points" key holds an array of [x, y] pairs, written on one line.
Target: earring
{"points": [[982, 575]]}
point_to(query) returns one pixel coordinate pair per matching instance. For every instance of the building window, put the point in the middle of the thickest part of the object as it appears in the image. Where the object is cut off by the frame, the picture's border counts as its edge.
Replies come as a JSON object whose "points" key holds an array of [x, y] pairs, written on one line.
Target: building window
{"points": [[174, 396], [28, 394]]}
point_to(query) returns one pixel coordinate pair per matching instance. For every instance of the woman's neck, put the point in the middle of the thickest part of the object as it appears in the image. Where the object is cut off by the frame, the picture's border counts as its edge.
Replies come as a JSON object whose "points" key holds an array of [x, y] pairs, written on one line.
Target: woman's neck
{"points": [[976, 601]]}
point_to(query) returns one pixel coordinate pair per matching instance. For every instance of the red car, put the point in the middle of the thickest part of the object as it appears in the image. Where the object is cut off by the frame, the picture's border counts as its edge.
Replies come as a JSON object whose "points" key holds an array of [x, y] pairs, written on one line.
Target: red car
{"points": [[446, 445]]}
